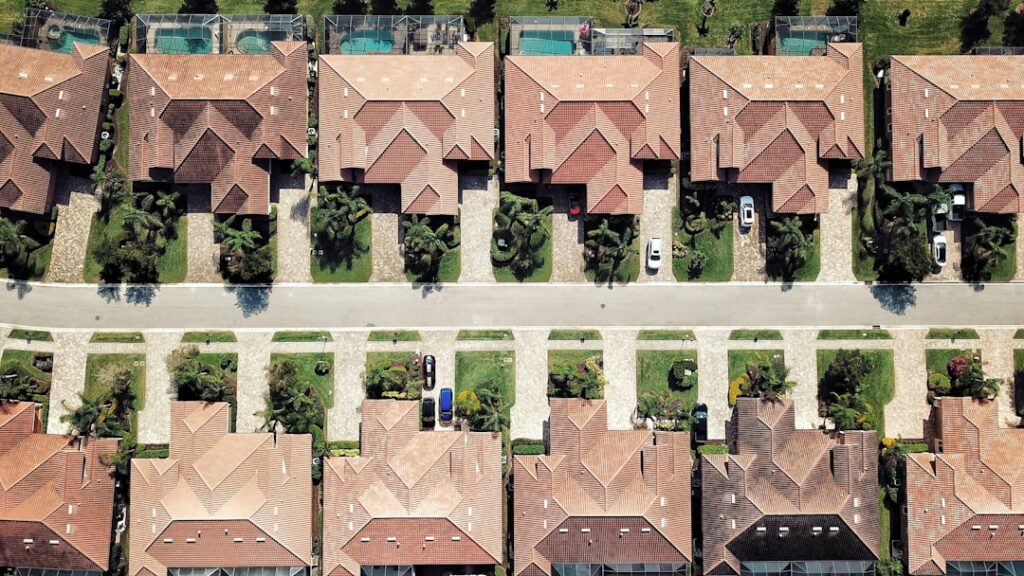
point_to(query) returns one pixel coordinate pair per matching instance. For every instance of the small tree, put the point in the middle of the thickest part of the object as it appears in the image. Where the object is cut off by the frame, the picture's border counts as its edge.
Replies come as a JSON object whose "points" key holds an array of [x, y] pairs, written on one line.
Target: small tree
{"points": [[349, 7], [846, 372], [119, 12], [199, 7], [281, 6], [384, 7], [420, 7], [467, 405]]}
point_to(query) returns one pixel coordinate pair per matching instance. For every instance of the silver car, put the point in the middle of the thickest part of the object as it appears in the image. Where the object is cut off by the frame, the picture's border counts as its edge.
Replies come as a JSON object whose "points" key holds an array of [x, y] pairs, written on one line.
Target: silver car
{"points": [[654, 254], [939, 249], [747, 213]]}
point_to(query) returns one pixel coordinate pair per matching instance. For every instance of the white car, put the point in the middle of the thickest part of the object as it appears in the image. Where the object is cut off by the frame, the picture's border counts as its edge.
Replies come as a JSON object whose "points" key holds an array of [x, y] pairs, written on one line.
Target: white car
{"points": [[654, 254], [746, 212], [939, 248]]}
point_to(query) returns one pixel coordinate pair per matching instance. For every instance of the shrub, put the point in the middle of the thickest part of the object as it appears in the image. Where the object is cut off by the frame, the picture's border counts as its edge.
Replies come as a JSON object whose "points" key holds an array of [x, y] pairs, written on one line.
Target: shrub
{"points": [[707, 449], [736, 387], [698, 260], [683, 375], [467, 404], [938, 383], [106, 144], [528, 449]]}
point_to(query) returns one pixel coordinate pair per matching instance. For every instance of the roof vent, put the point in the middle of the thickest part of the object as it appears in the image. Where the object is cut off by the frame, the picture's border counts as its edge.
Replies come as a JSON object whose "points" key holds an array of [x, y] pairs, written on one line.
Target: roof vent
{"points": [[198, 76], [27, 541], [392, 539], [993, 527], [623, 531], [168, 540], [364, 539], [54, 542], [254, 77], [976, 527], [261, 539], [761, 530], [190, 540], [783, 531], [645, 530], [816, 530], [585, 530], [456, 539], [238, 540], [229, 76], [429, 538], [563, 530], [833, 530]]}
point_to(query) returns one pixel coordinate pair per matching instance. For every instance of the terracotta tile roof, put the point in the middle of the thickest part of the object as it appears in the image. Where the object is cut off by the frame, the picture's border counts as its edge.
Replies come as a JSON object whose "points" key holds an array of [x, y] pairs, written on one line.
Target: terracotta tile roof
{"points": [[221, 499], [777, 120], [965, 503], [412, 497], [788, 494], [960, 119], [218, 119], [601, 496], [56, 495], [50, 111], [407, 119], [595, 125]]}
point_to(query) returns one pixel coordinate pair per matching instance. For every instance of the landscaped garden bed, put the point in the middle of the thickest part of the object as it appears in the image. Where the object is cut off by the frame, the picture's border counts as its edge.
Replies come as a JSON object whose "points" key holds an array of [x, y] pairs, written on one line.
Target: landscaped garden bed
{"points": [[611, 249], [666, 387], [248, 248], [956, 372], [793, 248], [854, 386], [989, 250], [432, 248], [396, 375], [485, 389], [758, 373], [521, 242], [27, 376], [342, 236], [576, 374], [27, 245], [301, 392], [115, 391], [702, 230], [209, 377]]}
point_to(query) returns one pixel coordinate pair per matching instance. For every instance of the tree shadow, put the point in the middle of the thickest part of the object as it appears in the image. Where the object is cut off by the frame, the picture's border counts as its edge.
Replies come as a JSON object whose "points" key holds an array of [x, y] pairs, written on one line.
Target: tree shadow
{"points": [[140, 294], [109, 292], [19, 286], [251, 300], [895, 298]]}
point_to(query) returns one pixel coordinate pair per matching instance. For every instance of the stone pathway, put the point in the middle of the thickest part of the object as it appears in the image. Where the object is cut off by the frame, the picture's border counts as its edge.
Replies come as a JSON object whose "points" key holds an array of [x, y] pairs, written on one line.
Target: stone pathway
{"points": [[660, 200], [386, 250], [530, 413], [203, 252], [906, 412], [71, 238], [620, 370], [70, 354], [837, 230], [713, 379], [566, 243], [997, 356], [155, 417], [479, 201], [253, 357], [800, 349], [349, 365], [293, 257], [748, 246]]}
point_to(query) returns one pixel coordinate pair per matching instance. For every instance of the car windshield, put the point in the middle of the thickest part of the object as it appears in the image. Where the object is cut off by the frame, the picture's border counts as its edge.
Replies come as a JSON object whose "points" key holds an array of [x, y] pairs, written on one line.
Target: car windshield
{"points": [[655, 255]]}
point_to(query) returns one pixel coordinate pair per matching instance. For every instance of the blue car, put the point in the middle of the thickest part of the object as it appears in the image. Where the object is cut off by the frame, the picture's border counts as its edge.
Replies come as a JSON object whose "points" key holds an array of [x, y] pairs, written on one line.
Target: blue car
{"points": [[444, 405]]}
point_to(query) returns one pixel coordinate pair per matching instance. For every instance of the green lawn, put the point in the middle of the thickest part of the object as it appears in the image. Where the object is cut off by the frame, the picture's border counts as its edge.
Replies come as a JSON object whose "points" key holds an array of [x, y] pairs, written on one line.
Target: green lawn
{"points": [[173, 265], [865, 334], [738, 360], [652, 372], [117, 338], [952, 333], [475, 368], [1018, 381], [215, 362], [202, 337], [450, 266], [936, 359], [396, 335], [302, 336], [1006, 265], [99, 366], [23, 358], [715, 244], [542, 274], [98, 230], [877, 388], [307, 364], [574, 356], [809, 271], [575, 334], [356, 269], [42, 232], [751, 334], [21, 334], [885, 514], [485, 335], [1018, 335], [666, 335]]}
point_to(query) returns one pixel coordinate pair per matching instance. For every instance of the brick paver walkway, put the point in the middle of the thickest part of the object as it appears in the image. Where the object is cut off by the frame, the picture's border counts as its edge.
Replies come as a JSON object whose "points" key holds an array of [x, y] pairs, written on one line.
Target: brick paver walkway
{"points": [[293, 258], [659, 202], [566, 243], [71, 238], [479, 201], [203, 252], [387, 256], [155, 417], [837, 232]]}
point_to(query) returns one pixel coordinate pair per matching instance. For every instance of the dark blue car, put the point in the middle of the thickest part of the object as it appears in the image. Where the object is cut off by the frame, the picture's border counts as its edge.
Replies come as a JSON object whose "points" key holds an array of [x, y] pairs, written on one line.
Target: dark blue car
{"points": [[444, 405]]}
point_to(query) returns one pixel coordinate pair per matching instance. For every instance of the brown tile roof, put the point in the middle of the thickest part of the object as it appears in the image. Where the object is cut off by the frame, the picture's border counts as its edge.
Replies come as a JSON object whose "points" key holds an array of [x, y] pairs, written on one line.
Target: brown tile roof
{"points": [[777, 120], [960, 119], [56, 495], [592, 120], [965, 503], [821, 486], [412, 497], [407, 119], [221, 499], [601, 496], [49, 113], [218, 119]]}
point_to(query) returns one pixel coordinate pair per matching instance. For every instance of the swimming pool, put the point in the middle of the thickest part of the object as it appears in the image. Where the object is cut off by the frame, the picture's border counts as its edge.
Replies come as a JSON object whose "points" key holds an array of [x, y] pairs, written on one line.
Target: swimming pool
{"points": [[803, 44], [257, 41], [71, 35], [367, 42], [547, 42], [184, 40]]}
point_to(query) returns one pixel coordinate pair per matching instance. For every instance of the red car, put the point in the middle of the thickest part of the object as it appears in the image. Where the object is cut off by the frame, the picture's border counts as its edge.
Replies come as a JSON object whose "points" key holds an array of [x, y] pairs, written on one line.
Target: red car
{"points": [[574, 205]]}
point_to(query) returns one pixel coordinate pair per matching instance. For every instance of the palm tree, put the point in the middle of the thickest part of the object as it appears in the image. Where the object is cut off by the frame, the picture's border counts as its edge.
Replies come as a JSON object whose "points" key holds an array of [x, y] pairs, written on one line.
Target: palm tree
{"points": [[337, 214], [605, 248], [424, 245], [769, 377], [905, 205], [791, 246], [875, 166], [15, 245], [985, 246], [141, 222], [237, 240]]}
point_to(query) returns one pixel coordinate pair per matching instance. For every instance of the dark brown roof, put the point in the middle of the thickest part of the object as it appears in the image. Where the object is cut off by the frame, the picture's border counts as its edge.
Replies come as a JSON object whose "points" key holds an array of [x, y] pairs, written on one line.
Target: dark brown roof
{"points": [[813, 492], [965, 503], [49, 113], [216, 118], [56, 495], [600, 495]]}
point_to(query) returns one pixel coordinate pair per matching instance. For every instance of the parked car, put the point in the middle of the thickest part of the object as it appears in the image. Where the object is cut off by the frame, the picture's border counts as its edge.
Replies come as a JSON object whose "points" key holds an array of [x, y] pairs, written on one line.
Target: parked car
{"points": [[939, 248], [428, 372], [940, 216], [574, 204], [427, 413], [654, 253], [445, 409], [959, 202], [700, 423], [747, 213]]}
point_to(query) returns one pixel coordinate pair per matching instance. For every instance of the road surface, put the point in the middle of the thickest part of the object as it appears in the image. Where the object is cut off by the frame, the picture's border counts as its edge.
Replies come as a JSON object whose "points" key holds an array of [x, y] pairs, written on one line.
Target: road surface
{"points": [[64, 306]]}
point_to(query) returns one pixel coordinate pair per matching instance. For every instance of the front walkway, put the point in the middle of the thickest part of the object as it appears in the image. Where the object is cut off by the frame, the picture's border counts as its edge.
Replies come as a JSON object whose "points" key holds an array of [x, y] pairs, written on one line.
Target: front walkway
{"points": [[660, 201], [479, 196], [386, 250], [155, 417], [293, 258], [837, 230], [71, 238]]}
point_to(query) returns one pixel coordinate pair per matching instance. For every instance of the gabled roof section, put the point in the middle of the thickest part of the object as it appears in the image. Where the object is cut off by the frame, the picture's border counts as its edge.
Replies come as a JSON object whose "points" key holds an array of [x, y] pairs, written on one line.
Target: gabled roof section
{"points": [[409, 485], [780, 477], [238, 490], [562, 104], [605, 481]]}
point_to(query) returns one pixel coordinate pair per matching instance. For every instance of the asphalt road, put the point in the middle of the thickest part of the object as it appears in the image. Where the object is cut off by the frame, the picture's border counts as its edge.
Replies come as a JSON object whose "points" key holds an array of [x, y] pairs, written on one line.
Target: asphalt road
{"points": [[504, 305]]}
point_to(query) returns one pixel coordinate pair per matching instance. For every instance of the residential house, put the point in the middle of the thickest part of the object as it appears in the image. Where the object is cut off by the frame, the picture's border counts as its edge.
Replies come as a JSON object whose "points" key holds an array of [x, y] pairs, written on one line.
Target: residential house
{"points": [[51, 107], [958, 121], [222, 120], [413, 502], [788, 501], [592, 120], [222, 504], [601, 502], [56, 497], [964, 506], [408, 119], [778, 120]]}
